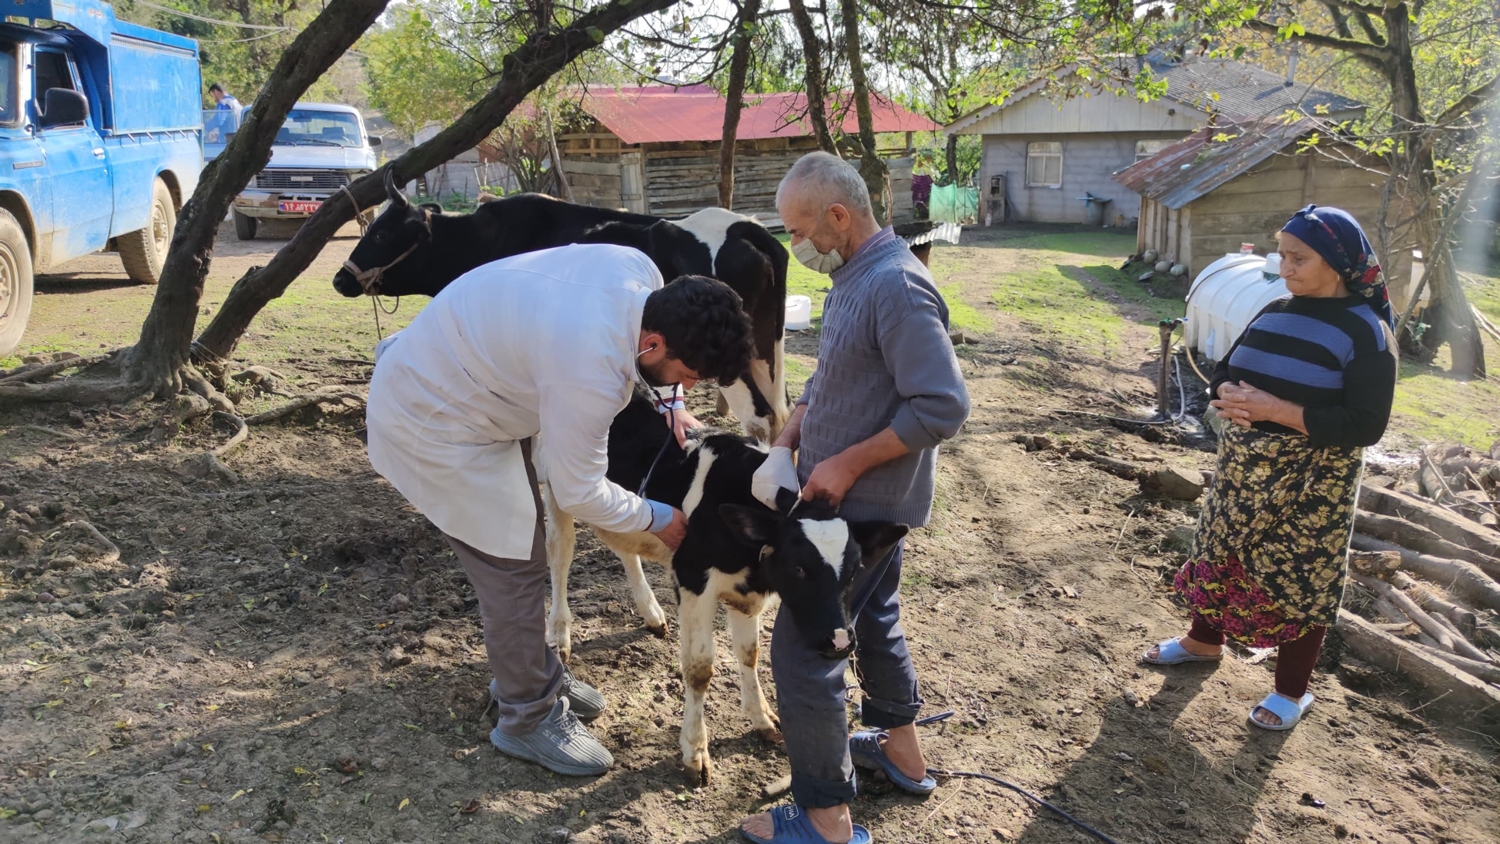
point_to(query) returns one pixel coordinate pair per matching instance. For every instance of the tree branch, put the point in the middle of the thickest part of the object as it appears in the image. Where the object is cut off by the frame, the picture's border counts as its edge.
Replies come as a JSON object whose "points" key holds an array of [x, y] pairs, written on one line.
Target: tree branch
{"points": [[1372, 54], [1471, 101]]}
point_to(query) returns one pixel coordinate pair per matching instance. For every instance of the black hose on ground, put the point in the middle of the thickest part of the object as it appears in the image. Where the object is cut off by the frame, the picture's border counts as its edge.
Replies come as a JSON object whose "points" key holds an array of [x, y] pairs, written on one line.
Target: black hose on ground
{"points": [[939, 772]]}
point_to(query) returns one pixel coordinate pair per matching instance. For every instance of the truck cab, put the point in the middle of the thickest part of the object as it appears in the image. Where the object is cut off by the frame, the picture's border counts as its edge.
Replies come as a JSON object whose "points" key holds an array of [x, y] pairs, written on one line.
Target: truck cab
{"points": [[99, 143], [321, 148]]}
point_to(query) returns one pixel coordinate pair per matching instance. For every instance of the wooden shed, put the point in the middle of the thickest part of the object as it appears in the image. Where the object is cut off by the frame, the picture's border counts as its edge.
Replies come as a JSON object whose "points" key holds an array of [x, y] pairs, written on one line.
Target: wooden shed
{"points": [[655, 150], [1225, 186]]}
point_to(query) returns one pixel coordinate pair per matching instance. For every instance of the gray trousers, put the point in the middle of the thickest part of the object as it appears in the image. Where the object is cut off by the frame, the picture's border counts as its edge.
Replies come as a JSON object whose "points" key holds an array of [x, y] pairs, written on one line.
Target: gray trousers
{"points": [[512, 603]]}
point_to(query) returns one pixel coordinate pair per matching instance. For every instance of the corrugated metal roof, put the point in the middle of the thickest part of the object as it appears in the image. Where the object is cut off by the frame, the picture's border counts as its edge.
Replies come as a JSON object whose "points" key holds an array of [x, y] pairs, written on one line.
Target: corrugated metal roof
{"points": [[696, 113], [1235, 90], [1197, 165]]}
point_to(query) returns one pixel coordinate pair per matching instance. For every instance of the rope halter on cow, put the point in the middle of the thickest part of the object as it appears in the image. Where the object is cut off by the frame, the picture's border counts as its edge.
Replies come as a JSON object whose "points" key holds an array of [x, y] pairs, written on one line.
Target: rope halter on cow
{"points": [[369, 280]]}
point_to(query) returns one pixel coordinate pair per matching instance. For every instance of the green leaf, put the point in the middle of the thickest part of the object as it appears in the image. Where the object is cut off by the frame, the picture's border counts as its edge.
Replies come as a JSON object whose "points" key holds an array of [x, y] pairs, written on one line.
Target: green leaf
{"points": [[595, 33]]}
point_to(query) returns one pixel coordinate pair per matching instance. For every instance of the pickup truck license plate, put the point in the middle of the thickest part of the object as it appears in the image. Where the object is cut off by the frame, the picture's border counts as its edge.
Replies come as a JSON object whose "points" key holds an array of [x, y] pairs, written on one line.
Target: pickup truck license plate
{"points": [[297, 206]]}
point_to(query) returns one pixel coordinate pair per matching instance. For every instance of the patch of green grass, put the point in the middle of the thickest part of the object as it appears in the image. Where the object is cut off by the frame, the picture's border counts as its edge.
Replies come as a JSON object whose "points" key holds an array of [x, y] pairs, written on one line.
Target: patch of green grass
{"points": [[1062, 289], [1431, 405], [962, 315]]}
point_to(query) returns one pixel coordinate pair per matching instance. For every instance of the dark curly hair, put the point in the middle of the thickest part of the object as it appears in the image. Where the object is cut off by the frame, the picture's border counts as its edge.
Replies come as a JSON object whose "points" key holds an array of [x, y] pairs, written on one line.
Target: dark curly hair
{"points": [[704, 326]]}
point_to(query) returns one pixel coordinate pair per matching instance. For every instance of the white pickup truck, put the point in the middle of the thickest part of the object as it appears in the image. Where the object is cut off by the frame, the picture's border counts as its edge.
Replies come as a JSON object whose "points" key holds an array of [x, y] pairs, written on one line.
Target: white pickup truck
{"points": [[321, 148]]}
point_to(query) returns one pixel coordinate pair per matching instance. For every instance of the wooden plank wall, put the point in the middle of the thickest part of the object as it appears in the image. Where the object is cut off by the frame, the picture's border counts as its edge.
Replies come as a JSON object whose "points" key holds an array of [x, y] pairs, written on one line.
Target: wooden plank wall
{"points": [[1252, 207], [595, 183]]}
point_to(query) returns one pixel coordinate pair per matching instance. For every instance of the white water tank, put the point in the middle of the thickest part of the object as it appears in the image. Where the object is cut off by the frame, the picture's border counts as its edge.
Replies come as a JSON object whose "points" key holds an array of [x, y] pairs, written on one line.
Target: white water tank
{"points": [[798, 313], [1226, 296]]}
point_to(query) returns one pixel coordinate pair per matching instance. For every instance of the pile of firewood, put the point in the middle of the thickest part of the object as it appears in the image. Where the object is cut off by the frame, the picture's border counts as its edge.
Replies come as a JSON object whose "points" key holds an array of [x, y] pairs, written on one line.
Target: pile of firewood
{"points": [[1425, 561]]}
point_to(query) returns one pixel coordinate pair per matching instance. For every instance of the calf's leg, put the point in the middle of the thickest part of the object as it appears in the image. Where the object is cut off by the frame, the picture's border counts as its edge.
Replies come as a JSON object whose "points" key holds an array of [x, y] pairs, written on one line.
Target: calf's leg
{"points": [[744, 632], [640, 591], [695, 631], [562, 540]]}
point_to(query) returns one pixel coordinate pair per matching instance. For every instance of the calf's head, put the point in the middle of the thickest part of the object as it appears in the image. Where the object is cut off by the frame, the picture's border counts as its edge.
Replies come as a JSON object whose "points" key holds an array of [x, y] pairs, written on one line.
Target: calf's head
{"points": [[382, 262], [812, 557]]}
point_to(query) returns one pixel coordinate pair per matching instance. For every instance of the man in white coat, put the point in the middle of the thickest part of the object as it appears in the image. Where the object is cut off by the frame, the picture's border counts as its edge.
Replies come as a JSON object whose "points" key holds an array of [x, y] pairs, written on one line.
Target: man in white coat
{"points": [[550, 345]]}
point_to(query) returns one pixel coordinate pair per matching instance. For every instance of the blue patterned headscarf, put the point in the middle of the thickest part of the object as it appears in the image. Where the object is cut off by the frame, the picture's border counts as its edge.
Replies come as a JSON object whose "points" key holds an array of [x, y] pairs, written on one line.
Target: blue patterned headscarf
{"points": [[1336, 235]]}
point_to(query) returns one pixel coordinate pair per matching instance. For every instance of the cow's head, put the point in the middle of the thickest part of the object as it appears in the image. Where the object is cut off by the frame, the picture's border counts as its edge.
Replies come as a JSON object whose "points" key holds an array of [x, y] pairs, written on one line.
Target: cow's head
{"points": [[382, 262], [811, 557]]}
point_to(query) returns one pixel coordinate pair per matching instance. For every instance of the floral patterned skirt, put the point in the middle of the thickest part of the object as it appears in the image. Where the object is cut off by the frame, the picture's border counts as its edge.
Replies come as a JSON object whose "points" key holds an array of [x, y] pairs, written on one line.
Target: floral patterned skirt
{"points": [[1270, 552]]}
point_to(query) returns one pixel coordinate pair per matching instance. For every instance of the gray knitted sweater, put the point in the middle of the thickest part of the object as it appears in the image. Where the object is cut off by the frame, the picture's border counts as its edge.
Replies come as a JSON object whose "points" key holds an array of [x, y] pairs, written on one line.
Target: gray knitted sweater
{"points": [[884, 360]]}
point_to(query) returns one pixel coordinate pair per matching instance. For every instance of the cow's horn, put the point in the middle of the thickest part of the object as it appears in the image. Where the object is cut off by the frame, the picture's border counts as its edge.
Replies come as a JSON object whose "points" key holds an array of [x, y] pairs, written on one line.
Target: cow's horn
{"points": [[392, 189]]}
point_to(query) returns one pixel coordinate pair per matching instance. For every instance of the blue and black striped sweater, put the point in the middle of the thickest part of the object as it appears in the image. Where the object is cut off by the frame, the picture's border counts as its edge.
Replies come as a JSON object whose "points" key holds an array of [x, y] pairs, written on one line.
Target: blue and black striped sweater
{"points": [[1335, 357]]}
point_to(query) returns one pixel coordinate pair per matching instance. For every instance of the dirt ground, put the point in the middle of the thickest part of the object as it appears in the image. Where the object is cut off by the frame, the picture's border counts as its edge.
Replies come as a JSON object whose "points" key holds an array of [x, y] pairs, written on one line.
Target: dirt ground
{"points": [[294, 656]]}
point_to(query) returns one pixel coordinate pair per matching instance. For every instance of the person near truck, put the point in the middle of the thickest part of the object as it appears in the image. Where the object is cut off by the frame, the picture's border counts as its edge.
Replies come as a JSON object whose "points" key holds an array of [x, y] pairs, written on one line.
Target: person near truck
{"points": [[525, 362], [1307, 386], [226, 119], [886, 392]]}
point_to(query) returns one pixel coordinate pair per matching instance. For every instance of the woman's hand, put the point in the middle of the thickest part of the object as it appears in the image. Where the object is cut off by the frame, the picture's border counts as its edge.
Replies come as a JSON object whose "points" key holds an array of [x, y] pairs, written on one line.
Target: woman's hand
{"points": [[1245, 405]]}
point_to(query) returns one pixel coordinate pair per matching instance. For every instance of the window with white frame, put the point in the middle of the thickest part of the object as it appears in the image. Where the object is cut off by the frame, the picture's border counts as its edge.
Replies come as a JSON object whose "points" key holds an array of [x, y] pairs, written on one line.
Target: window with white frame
{"points": [[1044, 164], [1146, 149]]}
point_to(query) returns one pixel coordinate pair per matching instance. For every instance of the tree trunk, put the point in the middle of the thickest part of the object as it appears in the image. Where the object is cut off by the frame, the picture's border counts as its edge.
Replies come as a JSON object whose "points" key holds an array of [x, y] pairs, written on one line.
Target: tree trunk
{"points": [[523, 71], [952, 159], [817, 94], [874, 171], [1448, 317], [739, 65], [157, 362]]}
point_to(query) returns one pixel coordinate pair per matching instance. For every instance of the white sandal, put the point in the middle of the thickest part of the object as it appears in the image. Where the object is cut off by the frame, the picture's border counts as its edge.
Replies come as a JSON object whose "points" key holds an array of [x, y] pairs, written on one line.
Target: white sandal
{"points": [[1290, 712]]}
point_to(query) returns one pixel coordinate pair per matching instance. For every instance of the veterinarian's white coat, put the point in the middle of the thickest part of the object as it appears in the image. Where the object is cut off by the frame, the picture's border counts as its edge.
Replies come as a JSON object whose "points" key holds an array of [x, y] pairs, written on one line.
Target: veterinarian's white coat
{"points": [[543, 342]]}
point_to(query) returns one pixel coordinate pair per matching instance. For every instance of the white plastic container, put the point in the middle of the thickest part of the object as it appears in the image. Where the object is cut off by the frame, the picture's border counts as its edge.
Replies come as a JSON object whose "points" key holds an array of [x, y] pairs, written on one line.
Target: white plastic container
{"points": [[1225, 297], [798, 313]]}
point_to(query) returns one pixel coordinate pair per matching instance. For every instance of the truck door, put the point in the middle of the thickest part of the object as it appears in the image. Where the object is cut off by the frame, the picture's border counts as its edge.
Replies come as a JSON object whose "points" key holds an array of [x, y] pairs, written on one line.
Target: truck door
{"points": [[82, 202]]}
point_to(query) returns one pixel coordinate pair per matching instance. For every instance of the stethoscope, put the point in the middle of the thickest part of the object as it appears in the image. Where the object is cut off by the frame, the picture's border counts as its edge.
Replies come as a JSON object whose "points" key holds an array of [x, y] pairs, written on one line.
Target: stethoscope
{"points": [[671, 421]]}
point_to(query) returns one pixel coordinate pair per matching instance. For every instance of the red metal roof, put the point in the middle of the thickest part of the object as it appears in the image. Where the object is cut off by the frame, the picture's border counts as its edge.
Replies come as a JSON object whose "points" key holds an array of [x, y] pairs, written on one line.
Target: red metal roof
{"points": [[696, 113]]}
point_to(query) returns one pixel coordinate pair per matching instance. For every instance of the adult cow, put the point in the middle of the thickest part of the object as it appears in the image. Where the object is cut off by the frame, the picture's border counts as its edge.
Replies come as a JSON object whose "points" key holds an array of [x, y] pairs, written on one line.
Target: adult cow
{"points": [[737, 552], [416, 250]]}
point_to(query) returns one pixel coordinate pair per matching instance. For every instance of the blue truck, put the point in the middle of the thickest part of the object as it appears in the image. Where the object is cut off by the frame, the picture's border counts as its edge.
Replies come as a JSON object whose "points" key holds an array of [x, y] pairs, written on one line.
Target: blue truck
{"points": [[100, 143]]}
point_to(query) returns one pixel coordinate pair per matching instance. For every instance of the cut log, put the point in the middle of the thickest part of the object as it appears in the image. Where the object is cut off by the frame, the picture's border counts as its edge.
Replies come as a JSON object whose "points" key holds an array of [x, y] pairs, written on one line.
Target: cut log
{"points": [[1455, 576], [1440, 520], [1452, 691], [1451, 641], [1419, 538], [1378, 563], [1462, 617], [1486, 671]]}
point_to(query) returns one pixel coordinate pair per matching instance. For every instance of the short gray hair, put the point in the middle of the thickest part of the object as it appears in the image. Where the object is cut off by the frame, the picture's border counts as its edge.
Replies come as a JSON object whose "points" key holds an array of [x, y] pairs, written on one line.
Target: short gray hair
{"points": [[824, 177]]}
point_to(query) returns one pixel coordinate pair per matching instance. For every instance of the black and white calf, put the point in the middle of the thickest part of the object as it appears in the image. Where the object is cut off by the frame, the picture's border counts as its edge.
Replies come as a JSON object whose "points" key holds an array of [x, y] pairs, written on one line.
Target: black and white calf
{"points": [[737, 552], [416, 250]]}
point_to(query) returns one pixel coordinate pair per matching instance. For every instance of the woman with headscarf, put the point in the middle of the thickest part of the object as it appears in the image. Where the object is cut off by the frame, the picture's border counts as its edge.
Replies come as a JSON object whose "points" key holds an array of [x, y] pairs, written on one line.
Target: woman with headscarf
{"points": [[1306, 387]]}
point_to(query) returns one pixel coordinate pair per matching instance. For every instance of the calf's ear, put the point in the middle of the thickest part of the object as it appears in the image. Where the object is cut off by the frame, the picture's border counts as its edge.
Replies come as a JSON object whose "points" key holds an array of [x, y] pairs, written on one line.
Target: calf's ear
{"points": [[876, 539], [753, 526]]}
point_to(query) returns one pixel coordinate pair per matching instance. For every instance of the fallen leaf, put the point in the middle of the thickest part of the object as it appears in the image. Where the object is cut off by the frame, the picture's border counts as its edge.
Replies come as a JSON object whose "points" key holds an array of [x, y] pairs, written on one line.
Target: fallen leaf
{"points": [[470, 808], [403, 804], [204, 807], [412, 727], [7, 814], [88, 681], [212, 707], [237, 795]]}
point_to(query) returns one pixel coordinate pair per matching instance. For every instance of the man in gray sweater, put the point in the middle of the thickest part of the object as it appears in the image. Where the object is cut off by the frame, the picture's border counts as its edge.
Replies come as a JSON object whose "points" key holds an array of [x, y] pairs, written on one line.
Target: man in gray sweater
{"points": [[886, 392]]}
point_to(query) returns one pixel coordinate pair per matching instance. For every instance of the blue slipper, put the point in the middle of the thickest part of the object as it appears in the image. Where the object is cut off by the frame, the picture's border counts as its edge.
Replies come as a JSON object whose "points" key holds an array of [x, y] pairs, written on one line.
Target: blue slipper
{"points": [[866, 751], [793, 827], [1170, 652]]}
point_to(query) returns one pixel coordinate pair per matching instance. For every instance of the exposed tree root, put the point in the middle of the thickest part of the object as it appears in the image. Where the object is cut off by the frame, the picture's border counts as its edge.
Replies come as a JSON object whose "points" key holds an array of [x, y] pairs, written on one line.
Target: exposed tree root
{"points": [[299, 403], [241, 431], [111, 550], [53, 368], [42, 429]]}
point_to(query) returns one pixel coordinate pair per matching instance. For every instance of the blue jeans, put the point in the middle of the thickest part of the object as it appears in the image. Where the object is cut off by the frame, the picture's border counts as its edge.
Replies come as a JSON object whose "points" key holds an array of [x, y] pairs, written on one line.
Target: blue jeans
{"points": [[810, 688]]}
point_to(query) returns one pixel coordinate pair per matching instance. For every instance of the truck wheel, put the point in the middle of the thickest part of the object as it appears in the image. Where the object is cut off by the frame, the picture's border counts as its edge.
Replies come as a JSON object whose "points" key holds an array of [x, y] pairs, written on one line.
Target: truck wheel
{"points": [[145, 251], [15, 282], [245, 226]]}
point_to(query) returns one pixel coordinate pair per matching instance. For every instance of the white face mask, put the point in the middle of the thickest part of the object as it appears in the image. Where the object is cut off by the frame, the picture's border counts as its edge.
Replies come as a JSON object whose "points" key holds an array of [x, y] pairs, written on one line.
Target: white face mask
{"points": [[819, 262]]}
